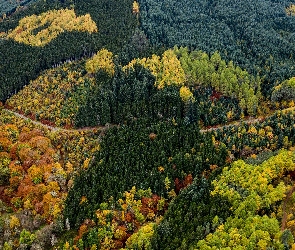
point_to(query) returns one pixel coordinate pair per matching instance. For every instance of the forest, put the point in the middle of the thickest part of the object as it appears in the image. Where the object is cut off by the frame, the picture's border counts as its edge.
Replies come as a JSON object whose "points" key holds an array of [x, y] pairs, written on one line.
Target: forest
{"points": [[142, 124]]}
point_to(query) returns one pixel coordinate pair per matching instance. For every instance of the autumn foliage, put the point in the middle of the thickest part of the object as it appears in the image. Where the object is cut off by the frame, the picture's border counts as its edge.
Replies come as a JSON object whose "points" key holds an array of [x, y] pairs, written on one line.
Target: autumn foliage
{"points": [[53, 22], [120, 223], [167, 69], [111, 138], [36, 177], [53, 97], [102, 60]]}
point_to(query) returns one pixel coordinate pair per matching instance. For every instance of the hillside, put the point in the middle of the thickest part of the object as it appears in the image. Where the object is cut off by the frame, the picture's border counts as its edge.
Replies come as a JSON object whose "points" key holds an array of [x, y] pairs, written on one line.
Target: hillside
{"points": [[256, 35], [116, 26], [147, 125]]}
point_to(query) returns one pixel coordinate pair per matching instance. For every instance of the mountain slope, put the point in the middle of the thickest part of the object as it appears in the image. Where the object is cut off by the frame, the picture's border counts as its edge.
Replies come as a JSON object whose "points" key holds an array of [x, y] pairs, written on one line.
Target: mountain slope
{"points": [[21, 63], [257, 35]]}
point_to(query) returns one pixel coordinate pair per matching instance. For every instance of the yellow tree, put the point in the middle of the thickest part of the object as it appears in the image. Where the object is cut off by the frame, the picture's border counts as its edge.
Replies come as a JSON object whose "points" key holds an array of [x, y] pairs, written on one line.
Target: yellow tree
{"points": [[57, 21], [291, 10], [172, 72], [167, 70], [186, 94], [135, 8], [102, 60]]}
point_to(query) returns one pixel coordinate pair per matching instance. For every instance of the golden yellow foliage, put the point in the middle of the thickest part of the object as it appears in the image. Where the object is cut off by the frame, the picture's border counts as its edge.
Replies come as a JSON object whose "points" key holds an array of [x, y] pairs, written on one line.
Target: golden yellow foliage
{"points": [[28, 204], [86, 163], [135, 7], [56, 210], [107, 244], [67, 246], [103, 60], [186, 94], [83, 200], [55, 22], [94, 247], [14, 222], [290, 10], [53, 186], [120, 234], [161, 169], [36, 174], [51, 97], [141, 239], [167, 70], [252, 130], [172, 72]]}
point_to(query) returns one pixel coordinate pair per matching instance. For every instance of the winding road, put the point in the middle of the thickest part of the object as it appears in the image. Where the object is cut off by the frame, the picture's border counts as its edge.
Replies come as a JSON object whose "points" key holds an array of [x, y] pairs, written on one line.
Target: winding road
{"points": [[250, 120], [57, 129]]}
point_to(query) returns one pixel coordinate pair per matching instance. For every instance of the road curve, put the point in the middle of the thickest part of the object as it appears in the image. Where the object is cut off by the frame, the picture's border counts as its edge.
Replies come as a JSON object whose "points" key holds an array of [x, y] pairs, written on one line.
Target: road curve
{"points": [[250, 120]]}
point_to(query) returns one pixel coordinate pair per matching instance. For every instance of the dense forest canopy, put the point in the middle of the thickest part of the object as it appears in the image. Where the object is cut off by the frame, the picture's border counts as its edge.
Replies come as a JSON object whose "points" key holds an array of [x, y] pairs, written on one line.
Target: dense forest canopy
{"points": [[143, 124], [21, 62], [8, 7], [256, 35]]}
